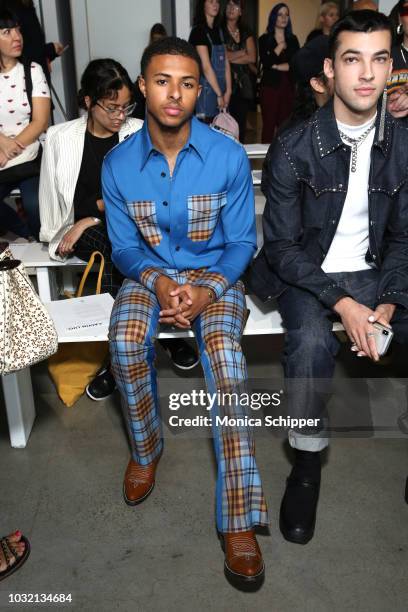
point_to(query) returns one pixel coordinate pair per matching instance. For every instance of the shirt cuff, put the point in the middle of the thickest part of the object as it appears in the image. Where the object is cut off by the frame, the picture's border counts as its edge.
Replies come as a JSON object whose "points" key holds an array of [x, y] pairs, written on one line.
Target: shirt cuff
{"points": [[215, 281], [332, 294], [149, 277], [399, 298]]}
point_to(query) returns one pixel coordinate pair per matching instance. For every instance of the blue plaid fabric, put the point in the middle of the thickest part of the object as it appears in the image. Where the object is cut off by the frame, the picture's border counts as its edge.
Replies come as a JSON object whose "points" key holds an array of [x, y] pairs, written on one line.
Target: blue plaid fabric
{"points": [[240, 502]]}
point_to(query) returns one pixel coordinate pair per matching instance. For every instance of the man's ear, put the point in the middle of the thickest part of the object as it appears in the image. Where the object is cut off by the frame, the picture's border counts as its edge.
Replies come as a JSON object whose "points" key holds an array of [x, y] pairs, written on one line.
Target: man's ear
{"points": [[142, 85], [88, 102], [200, 88], [328, 68], [317, 85]]}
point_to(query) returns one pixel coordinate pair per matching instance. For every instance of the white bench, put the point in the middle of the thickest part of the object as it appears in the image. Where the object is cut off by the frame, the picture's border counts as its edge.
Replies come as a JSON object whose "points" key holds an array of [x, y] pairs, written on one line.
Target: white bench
{"points": [[264, 319], [35, 256]]}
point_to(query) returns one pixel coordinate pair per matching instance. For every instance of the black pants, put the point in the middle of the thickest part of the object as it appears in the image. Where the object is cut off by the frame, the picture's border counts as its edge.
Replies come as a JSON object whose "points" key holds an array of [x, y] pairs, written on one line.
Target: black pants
{"points": [[311, 348], [96, 239], [238, 108]]}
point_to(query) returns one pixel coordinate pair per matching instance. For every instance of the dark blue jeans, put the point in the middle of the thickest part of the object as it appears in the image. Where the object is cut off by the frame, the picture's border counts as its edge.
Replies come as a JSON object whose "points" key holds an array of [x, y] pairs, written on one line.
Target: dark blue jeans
{"points": [[311, 348], [9, 219]]}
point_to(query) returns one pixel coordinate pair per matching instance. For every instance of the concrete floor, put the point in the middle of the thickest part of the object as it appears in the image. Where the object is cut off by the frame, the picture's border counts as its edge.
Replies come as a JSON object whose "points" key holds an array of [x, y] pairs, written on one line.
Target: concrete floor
{"points": [[64, 491]]}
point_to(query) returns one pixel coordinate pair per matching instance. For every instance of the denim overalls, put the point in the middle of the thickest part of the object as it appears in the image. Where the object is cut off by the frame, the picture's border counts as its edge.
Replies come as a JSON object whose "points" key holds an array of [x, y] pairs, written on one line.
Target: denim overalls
{"points": [[207, 102]]}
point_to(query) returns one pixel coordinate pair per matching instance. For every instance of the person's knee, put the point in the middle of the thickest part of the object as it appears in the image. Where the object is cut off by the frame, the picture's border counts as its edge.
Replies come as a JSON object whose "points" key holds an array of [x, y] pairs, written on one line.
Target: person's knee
{"points": [[310, 342], [220, 341]]}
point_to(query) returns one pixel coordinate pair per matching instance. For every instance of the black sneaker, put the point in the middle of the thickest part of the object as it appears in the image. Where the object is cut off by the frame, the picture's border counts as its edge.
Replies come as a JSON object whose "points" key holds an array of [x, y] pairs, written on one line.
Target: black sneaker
{"points": [[181, 353], [102, 386]]}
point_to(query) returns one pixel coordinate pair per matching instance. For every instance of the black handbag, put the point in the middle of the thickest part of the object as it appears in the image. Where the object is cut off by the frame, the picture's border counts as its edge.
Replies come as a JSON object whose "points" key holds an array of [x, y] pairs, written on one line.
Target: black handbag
{"points": [[246, 88]]}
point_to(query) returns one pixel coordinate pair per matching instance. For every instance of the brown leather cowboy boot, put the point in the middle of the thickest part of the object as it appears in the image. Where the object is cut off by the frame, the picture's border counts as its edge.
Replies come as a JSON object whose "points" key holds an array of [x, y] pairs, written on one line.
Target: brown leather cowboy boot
{"points": [[244, 565], [139, 481]]}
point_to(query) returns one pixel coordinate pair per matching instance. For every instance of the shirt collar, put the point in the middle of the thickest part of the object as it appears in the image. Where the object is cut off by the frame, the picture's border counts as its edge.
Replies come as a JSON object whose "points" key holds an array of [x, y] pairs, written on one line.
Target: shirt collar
{"points": [[197, 141]]}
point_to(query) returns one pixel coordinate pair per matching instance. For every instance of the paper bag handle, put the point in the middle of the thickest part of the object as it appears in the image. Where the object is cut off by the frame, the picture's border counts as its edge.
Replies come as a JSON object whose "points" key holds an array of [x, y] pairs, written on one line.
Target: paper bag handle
{"points": [[88, 269]]}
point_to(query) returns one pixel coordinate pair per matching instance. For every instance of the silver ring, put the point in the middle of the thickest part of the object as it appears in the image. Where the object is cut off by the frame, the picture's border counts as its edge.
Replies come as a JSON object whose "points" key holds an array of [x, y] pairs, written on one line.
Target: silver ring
{"points": [[369, 334]]}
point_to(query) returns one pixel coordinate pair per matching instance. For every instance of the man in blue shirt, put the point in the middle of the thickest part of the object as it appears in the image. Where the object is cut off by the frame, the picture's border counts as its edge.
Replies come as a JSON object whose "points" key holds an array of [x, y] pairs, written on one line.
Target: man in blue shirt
{"points": [[181, 219]]}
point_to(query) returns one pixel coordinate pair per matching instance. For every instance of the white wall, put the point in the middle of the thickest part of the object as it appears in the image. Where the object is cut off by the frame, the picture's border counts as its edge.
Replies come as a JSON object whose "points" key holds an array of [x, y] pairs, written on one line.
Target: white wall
{"points": [[116, 28], [385, 6], [183, 21], [50, 26]]}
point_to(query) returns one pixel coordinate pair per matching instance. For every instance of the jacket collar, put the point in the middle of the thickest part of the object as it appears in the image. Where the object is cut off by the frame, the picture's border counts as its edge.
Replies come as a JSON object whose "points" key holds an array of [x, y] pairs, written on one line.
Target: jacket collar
{"points": [[328, 137]]}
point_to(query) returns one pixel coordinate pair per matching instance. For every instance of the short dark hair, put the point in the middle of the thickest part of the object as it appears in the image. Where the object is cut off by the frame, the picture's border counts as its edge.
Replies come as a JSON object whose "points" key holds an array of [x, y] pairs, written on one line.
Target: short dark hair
{"points": [[157, 29], [103, 78], [358, 21], [171, 45]]}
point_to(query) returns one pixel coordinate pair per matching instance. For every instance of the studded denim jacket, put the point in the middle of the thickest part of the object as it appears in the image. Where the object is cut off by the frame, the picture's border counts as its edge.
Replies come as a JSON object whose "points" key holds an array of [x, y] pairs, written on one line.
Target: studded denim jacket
{"points": [[305, 180]]}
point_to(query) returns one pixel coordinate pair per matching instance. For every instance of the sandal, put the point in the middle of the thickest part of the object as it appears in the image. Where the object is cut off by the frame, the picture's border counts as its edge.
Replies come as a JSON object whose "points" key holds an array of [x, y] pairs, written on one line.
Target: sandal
{"points": [[9, 551]]}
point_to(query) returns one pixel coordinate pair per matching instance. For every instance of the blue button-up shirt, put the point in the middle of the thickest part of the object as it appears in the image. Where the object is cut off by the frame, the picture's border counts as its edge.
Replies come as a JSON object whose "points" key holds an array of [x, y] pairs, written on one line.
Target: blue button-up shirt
{"points": [[201, 217]]}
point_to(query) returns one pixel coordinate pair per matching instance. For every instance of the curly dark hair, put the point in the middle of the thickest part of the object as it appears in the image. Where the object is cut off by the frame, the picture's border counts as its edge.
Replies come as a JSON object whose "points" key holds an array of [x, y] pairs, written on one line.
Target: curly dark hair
{"points": [[170, 45], [103, 78]]}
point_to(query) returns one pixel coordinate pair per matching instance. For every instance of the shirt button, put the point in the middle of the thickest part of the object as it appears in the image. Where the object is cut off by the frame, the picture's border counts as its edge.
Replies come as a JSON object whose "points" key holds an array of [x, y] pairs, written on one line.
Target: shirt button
{"points": [[165, 203], [177, 248], [163, 174], [167, 229]]}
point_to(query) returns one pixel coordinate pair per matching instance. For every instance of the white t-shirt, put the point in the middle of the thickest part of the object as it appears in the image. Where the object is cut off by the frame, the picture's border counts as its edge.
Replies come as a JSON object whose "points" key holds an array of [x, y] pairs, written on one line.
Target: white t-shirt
{"points": [[350, 243], [14, 106]]}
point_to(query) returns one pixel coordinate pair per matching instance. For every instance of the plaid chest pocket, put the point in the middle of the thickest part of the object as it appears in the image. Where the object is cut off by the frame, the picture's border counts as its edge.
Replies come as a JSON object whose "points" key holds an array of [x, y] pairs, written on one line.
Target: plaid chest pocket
{"points": [[203, 214], [144, 214]]}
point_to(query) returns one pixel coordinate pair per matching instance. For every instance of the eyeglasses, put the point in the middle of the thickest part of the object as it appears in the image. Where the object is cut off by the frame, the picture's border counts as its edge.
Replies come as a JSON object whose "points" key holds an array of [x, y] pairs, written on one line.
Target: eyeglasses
{"points": [[116, 112]]}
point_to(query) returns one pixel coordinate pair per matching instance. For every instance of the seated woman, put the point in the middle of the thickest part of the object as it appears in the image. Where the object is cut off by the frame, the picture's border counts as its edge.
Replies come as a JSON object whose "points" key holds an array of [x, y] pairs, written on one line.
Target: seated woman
{"points": [[24, 116], [71, 205]]}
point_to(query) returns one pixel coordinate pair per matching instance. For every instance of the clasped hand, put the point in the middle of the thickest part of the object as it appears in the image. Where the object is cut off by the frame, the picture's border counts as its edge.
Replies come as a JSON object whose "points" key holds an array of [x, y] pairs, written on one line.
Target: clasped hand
{"points": [[180, 304], [9, 149]]}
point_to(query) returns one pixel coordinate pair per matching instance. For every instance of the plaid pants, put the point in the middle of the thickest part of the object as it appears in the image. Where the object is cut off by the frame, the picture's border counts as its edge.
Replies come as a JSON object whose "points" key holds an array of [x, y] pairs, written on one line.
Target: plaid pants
{"points": [[240, 502]]}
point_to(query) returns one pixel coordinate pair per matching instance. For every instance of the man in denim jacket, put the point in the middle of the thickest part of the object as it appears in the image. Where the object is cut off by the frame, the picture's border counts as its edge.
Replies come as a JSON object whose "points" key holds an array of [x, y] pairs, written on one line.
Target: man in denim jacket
{"points": [[335, 240]]}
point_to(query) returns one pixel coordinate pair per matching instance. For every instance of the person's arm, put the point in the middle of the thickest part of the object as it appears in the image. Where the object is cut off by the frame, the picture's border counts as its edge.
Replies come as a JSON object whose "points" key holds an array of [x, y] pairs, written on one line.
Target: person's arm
{"points": [[281, 67], [209, 73], [38, 124], [293, 46], [51, 215], [393, 280], [244, 56], [397, 103], [238, 223], [283, 229], [73, 234], [9, 148], [128, 253], [53, 50], [267, 55]]}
